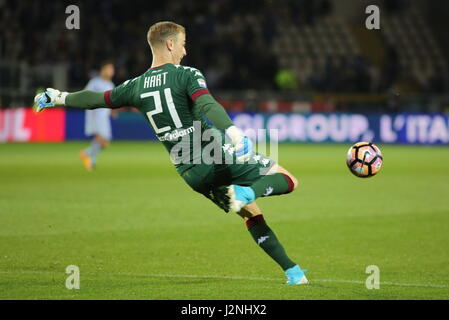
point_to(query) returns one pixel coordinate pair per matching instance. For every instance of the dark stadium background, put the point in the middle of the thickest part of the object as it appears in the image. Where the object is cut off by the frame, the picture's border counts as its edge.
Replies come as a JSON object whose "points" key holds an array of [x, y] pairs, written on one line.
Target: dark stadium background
{"points": [[313, 50]]}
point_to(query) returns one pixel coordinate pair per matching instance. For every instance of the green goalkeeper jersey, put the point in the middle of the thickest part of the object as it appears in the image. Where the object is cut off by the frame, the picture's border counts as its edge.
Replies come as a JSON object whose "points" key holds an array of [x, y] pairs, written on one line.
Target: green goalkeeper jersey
{"points": [[165, 95]]}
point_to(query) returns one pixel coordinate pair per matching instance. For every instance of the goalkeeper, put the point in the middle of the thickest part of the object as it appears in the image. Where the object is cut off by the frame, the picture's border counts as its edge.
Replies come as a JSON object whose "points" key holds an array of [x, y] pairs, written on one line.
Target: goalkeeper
{"points": [[176, 102]]}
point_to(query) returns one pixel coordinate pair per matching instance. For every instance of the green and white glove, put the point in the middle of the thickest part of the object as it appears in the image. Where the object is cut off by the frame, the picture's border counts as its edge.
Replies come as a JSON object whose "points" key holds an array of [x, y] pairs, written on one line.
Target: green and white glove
{"points": [[48, 99]]}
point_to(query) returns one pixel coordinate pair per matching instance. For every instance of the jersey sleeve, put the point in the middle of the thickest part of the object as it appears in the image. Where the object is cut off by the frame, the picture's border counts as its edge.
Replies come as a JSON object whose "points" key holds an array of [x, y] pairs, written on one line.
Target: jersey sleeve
{"points": [[196, 83], [214, 111], [122, 95]]}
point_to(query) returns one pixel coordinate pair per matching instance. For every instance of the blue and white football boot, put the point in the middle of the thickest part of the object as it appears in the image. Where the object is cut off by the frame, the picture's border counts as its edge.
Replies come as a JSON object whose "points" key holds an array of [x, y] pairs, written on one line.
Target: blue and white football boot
{"points": [[239, 197], [296, 276]]}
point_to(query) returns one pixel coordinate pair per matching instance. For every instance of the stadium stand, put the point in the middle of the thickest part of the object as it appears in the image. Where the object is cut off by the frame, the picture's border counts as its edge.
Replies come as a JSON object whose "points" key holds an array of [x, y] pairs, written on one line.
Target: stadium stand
{"points": [[260, 43]]}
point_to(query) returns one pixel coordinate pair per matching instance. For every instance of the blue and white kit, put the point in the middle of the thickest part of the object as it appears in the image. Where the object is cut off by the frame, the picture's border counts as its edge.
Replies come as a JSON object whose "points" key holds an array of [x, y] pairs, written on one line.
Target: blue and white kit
{"points": [[98, 121]]}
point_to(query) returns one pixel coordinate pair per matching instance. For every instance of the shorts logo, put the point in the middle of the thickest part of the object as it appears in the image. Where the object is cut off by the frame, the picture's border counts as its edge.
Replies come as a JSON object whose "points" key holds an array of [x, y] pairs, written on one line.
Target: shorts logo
{"points": [[268, 191], [265, 162]]}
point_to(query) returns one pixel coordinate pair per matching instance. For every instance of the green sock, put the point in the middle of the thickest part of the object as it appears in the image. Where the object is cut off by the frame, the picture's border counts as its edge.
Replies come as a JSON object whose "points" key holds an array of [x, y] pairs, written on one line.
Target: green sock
{"points": [[272, 185], [268, 241]]}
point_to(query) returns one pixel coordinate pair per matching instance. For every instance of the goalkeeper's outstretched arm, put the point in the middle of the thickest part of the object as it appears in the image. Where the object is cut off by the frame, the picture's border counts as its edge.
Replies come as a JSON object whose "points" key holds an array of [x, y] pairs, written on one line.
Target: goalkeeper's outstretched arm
{"points": [[84, 99]]}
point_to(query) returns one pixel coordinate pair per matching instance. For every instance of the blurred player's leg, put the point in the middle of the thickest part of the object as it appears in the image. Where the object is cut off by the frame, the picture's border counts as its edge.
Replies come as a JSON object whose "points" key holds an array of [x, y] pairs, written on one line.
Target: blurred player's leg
{"points": [[267, 240], [97, 124]]}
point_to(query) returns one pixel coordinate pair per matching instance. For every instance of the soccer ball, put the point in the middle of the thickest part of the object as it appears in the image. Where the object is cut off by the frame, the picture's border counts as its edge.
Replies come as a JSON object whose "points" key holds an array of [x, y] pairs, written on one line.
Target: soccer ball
{"points": [[364, 159]]}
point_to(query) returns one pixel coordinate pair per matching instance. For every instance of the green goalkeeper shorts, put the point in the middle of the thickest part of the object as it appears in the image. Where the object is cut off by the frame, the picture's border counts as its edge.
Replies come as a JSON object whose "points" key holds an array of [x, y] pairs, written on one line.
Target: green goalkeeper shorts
{"points": [[211, 180]]}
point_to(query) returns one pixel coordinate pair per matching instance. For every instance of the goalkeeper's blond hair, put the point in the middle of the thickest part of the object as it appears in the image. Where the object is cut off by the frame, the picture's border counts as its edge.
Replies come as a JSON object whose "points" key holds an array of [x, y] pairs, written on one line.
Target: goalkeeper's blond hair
{"points": [[161, 31]]}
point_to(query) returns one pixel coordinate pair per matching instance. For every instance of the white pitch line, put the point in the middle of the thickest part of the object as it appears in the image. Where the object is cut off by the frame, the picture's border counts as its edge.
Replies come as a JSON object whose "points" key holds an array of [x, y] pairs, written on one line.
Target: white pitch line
{"points": [[193, 276]]}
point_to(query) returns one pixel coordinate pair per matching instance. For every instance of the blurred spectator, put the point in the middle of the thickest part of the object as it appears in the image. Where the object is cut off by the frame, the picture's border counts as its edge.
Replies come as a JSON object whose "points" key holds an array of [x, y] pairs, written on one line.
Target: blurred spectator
{"points": [[439, 81], [242, 30], [394, 6], [339, 74], [392, 69]]}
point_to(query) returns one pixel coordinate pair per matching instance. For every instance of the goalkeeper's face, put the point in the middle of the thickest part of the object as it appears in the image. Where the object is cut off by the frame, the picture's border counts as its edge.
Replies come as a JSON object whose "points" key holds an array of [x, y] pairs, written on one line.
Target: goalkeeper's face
{"points": [[179, 48]]}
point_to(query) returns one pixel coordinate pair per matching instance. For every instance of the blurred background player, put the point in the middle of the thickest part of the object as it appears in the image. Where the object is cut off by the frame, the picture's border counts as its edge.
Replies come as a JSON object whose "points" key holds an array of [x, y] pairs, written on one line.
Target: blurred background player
{"points": [[98, 123]]}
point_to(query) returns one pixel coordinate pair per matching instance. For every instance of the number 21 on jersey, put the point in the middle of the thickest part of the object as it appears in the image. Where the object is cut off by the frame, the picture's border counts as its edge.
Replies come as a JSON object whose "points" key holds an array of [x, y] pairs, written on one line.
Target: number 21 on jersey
{"points": [[158, 104]]}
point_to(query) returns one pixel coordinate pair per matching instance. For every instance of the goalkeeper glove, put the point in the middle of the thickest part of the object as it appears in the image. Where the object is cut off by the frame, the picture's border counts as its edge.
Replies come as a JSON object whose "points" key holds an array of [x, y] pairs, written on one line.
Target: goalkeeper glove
{"points": [[242, 144], [48, 99]]}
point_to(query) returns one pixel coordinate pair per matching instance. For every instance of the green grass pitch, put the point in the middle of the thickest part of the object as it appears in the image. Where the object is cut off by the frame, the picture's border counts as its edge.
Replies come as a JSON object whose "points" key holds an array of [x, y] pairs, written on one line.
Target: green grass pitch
{"points": [[137, 231]]}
